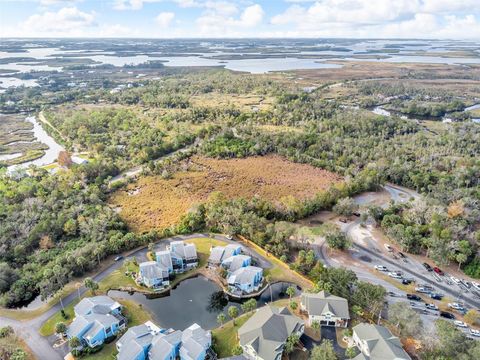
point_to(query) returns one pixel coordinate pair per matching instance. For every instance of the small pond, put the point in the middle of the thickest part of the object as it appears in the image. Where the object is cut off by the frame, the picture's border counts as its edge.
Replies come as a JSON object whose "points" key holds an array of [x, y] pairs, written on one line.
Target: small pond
{"points": [[196, 300]]}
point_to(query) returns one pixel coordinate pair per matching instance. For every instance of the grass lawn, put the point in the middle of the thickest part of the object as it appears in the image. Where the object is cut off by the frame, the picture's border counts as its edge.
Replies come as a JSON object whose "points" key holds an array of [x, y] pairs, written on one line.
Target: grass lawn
{"points": [[48, 328], [203, 246], [136, 315], [118, 278], [225, 337]]}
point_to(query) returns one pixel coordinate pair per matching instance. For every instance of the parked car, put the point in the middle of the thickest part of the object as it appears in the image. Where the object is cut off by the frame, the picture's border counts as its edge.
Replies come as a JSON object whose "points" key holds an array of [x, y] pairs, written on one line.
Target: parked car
{"points": [[468, 284], [436, 296], [475, 332], [388, 247], [422, 290], [395, 274], [118, 258], [476, 285], [392, 294], [407, 281], [447, 315], [381, 268], [460, 324], [455, 280], [402, 255], [414, 297], [427, 267], [343, 220], [456, 306], [438, 271], [229, 237], [431, 306]]}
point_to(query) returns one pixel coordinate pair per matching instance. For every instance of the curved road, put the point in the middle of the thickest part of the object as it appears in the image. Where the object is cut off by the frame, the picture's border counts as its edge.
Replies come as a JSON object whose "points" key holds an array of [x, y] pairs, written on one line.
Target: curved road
{"points": [[42, 348]]}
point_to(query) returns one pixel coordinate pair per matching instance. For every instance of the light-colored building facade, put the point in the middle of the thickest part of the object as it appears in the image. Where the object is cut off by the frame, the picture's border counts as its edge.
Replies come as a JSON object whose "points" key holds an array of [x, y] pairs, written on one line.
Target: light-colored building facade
{"points": [[327, 309], [263, 336], [377, 343]]}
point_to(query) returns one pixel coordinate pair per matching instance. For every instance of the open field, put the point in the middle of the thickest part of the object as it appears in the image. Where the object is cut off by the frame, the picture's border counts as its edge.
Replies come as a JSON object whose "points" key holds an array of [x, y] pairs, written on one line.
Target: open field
{"points": [[154, 202], [367, 70], [243, 102]]}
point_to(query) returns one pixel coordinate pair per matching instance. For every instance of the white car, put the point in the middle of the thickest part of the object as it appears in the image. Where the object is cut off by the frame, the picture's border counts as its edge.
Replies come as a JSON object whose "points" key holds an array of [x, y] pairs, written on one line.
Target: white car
{"points": [[460, 324], [475, 332], [395, 275], [455, 306], [388, 247], [422, 290], [431, 306], [476, 285], [455, 280], [381, 268]]}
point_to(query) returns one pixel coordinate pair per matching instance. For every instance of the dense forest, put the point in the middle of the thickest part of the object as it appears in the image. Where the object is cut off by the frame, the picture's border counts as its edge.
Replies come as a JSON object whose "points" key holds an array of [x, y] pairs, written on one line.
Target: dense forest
{"points": [[52, 225]]}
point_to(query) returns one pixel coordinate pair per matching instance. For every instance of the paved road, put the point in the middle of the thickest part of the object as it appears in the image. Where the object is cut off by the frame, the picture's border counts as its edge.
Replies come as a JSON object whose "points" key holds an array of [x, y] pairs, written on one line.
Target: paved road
{"points": [[137, 170], [411, 267], [29, 330]]}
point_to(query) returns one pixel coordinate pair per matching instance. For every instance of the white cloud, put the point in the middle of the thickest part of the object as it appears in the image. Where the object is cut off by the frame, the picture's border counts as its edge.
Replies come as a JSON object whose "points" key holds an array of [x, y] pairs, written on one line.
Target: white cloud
{"points": [[220, 20], [57, 2], [64, 22], [132, 4], [379, 18], [164, 19]]}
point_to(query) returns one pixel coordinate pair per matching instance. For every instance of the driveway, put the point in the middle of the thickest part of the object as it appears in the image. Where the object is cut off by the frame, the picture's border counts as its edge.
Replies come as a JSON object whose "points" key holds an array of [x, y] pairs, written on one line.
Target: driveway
{"points": [[29, 330], [328, 333]]}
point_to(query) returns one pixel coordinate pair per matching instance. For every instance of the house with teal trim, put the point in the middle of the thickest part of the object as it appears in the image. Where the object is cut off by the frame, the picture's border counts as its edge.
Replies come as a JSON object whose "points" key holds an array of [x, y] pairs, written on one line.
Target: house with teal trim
{"points": [[153, 275], [136, 342], [245, 280], [235, 262], [220, 253], [148, 342], [96, 319], [184, 256], [164, 259]]}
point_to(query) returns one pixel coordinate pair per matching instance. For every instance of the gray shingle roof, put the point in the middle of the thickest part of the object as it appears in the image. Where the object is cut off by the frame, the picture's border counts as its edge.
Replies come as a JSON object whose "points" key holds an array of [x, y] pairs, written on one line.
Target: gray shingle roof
{"points": [[151, 270], [131, 351], [268, 329], [132, 333], [244, 275], [164, 259], [381, 343], [99, 304], [77, 325], [163, 344], [216, 255], [195, 340], [318, 304], [183, 250], [230, 249], [235, 262]]}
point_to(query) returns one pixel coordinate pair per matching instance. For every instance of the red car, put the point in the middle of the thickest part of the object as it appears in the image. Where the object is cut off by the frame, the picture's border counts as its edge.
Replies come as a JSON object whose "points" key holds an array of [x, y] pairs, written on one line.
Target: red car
{"points": [[438, 271]]}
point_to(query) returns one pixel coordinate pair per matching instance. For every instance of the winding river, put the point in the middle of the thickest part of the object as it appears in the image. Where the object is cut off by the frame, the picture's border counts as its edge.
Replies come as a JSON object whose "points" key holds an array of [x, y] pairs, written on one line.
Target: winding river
{"points": [[51, 154]]}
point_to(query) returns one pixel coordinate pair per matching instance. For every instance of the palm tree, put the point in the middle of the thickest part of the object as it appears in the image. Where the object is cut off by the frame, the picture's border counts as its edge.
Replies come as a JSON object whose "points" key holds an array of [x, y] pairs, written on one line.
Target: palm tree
{"points": [[60, 328], [233, 313], [290, 291], [74, 342], [90, 284], [221, 318]]}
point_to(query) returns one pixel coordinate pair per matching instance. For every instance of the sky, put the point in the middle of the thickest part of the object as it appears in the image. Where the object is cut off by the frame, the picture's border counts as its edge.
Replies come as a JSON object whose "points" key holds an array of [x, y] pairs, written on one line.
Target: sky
{"points": [[440, 19]]}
